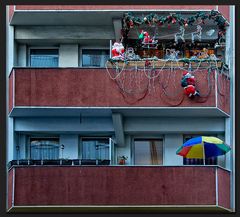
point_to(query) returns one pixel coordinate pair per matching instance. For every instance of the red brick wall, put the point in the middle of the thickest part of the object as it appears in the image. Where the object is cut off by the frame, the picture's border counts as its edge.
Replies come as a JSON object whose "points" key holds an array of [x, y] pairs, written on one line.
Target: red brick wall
{"points": [[115, 7], [224, 188], [225, 11], [115, 185], [93, 87], [10, 92], [11, 12], [223, 92]]}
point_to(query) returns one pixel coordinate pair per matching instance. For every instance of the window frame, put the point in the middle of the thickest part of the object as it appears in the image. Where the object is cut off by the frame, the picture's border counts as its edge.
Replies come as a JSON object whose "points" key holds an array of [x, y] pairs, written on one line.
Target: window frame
{"points": [[41, 48], [133, 138], [28, 141], [111, 149], [81, 48]]}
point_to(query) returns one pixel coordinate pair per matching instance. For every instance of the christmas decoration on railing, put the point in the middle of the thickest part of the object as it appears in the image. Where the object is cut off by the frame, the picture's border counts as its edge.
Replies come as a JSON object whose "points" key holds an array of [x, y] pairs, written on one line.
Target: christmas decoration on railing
{"points": [[129, 20], [188, 83], [180, 35], [148, 41], [138, 77]]}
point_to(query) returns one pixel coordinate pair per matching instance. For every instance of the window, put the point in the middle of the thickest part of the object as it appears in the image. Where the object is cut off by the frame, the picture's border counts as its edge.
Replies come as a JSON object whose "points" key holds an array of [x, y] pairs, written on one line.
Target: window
{"points": [[44, 57], [44, 148], [94, 57], [195, 161], [96, 148], [148, 152]]}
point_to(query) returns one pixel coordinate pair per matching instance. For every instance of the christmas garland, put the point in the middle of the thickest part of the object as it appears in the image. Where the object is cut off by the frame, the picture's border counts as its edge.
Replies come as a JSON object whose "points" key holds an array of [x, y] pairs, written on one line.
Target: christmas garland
{"points": [[129, 20]]}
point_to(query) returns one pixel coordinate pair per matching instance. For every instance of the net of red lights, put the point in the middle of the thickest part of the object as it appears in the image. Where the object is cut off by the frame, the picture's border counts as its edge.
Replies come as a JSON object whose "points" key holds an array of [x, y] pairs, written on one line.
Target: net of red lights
{"points": [[130, 21]]}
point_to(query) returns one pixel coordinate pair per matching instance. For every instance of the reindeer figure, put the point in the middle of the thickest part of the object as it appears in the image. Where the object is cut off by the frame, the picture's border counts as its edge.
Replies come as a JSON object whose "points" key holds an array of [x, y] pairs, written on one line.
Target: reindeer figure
{"points": [[197, 34], [180, 34]]}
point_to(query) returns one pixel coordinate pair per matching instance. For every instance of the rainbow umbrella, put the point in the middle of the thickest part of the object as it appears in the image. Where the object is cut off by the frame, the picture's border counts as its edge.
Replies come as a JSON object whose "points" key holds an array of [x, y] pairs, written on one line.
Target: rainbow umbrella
{"points": [[203, 147]]}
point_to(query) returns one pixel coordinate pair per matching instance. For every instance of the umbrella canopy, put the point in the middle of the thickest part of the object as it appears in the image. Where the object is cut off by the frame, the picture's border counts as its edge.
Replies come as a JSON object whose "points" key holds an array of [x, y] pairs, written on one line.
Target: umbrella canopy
{"points": [[203, 147]]}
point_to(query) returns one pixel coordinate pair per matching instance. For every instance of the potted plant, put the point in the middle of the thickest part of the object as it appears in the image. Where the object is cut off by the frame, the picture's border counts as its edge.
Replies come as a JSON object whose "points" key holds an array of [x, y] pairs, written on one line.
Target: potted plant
{"points": [[122, 160]]}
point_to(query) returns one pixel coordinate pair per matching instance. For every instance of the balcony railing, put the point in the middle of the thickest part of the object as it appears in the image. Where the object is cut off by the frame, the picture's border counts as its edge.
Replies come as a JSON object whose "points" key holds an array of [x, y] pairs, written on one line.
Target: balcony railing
{"points": [[75, 187], [88, 87]]}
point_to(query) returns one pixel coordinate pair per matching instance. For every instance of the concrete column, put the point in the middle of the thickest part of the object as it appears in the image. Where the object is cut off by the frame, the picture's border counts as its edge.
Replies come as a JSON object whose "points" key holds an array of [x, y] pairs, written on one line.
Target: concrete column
{"points": [[117, 23], [10, 59], [10, 140], [171, 143], [68, 55], [231, 125], [22, 55], [118, 128], [70, 143], [228, 141]]}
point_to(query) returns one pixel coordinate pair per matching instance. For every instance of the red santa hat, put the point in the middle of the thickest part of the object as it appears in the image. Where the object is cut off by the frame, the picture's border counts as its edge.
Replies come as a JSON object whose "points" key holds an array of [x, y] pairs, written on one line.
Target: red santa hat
{"points": [[185, 73]]}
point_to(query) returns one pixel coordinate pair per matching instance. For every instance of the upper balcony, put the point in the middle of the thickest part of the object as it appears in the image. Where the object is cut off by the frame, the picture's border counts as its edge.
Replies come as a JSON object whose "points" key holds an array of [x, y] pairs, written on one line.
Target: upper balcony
{"points": [[81, 88], [122, 188]]}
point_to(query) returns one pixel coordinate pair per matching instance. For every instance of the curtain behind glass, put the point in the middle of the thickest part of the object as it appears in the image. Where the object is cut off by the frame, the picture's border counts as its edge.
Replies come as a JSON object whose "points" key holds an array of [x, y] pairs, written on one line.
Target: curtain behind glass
{"points": [[148, 152], [44, 57], [95, 149], [95, 58], [44, 150]]}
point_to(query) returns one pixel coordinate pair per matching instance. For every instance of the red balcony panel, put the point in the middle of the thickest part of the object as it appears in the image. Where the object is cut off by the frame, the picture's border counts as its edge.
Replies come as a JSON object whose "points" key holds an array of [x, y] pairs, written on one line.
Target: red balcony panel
{"points": [[10, 188], [224, 188], [223, 93], [115, 185], [10, 91], [11, 12], [115, 7], [225, 11], [76, 87]]}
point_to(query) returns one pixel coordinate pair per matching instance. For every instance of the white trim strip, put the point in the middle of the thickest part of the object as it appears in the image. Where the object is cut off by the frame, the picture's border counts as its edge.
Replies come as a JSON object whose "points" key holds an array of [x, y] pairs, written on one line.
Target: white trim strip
{"points": [[125, 206], [216, 88], [13, 187], [104, 107], [112, 10], [13, 88]]}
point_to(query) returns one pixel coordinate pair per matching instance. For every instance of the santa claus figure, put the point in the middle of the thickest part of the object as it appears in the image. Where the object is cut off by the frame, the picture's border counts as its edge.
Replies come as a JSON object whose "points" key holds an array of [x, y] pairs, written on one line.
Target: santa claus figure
{"points": [[145, 37], [188, 83], [118, 51]]}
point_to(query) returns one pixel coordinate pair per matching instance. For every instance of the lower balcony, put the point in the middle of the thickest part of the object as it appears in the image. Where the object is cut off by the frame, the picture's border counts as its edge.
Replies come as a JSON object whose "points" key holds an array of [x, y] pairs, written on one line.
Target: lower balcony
{"points": [[123, 188]]}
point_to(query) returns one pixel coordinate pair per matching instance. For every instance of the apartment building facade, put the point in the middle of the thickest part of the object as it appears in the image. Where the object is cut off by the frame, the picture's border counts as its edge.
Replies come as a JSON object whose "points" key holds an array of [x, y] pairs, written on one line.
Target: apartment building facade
{"points": [[87, 131]]}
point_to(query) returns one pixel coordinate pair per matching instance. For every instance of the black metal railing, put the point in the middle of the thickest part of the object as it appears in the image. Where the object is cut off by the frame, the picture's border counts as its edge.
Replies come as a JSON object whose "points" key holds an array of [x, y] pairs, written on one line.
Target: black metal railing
{"points": [[70, 162]]}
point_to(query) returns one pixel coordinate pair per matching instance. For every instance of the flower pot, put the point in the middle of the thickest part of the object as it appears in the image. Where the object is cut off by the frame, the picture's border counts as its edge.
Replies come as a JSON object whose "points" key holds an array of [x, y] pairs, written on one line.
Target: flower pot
{"points": [[122, 162]]}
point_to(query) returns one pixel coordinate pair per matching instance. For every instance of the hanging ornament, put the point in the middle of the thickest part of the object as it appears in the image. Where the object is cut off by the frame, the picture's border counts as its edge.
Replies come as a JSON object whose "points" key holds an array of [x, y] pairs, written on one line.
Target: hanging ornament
{"points": [[141, 36], [185, 24], [180, 35], [145, 19], [155, 20], [160, 23], [131, 24], [197, 34], [174, 21]]}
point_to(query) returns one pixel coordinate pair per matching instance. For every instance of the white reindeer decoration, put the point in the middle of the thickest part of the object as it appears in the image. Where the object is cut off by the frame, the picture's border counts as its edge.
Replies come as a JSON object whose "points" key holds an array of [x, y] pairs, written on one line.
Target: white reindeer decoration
{"points": [[197, 34], [180, 35]]}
